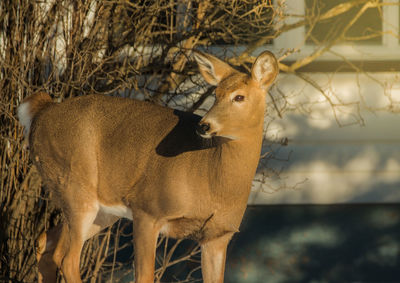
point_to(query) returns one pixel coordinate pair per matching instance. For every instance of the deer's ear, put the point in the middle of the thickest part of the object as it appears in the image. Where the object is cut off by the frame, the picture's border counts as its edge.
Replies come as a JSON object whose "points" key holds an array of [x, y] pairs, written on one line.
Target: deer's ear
{"points": [[211, 68], [265, 69]]}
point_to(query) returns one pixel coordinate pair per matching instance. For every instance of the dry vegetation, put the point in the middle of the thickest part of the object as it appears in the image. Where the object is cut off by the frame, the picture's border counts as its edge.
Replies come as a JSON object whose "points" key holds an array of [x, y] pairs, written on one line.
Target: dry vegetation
{"points": [[137, 49]]}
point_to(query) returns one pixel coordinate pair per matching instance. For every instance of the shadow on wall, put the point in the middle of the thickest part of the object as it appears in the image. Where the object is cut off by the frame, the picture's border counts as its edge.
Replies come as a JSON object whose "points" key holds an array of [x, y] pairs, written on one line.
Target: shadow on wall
{"points": [[342, 243], [334, 165]]}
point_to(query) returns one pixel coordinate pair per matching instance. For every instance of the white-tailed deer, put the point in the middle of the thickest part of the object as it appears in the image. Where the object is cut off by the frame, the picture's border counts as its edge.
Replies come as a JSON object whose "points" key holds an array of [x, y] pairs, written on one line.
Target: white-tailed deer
{"points": [[169, 171]]}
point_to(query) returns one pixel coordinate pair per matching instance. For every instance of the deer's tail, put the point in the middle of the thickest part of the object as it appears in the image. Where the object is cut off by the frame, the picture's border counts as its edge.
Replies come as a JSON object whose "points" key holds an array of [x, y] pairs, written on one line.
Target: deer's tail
{"points": [[30, 107]]}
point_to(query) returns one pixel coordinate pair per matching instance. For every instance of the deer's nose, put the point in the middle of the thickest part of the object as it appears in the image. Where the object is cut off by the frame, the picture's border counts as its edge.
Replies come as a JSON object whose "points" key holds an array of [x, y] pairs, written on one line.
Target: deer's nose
{"points": [[203, 128]]}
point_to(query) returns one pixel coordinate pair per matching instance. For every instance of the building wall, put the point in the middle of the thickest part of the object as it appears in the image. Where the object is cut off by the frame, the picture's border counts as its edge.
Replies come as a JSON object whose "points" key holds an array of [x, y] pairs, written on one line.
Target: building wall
{"points": [[342, 128], [335, 154]]}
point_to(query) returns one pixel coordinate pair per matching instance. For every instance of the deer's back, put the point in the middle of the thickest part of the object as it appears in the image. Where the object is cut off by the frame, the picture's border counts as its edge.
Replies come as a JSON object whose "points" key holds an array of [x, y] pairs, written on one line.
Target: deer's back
{"points": [[114, 144]]}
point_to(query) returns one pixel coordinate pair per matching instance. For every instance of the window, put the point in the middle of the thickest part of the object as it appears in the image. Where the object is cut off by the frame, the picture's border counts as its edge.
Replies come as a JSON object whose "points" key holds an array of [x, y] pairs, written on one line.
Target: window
{"points": [[372, 40], [367, 29]]}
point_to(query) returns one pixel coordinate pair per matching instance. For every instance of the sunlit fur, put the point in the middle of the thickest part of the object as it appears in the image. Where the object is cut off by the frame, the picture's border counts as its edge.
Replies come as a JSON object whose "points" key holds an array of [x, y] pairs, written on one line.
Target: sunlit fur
{"points": [[107, 157]]}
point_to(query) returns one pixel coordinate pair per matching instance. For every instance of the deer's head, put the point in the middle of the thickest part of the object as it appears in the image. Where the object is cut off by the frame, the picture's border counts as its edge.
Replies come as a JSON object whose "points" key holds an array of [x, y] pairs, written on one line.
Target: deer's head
{"points": [[239, 98]]}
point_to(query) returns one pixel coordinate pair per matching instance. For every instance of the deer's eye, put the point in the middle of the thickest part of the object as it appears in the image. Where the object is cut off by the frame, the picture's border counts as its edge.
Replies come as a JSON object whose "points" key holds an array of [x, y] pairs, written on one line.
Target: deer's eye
{"points": [[238, 98]]}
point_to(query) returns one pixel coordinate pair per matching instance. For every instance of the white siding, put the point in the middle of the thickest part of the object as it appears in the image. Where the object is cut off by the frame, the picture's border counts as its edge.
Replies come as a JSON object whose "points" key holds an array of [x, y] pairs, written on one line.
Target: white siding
{"points": [[329, 163]]}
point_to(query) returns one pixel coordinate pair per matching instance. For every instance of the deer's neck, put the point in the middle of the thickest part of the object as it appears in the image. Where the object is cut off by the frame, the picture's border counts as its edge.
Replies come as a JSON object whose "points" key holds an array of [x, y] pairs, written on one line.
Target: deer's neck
{"points": [[233, 167]]}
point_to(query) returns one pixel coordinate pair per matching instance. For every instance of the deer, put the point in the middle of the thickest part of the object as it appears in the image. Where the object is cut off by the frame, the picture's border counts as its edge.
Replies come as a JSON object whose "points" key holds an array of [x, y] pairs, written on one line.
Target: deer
{"points": [[171, 172]]}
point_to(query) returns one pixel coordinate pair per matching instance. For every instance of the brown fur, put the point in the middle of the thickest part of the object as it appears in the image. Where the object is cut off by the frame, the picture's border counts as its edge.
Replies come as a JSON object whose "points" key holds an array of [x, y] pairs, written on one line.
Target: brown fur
{"points": [[115, 151]]}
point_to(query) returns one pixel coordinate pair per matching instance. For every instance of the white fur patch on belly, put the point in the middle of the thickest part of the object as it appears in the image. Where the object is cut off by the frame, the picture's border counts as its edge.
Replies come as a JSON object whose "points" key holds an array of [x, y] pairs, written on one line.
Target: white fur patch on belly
{"points": [[117, 210], [165, 229]]}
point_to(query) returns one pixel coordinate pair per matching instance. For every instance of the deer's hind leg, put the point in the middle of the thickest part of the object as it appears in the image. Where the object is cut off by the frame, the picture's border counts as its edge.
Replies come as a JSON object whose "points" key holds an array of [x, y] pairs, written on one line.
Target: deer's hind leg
{"points": [[61, 246], [48, 241], [46, 244]]}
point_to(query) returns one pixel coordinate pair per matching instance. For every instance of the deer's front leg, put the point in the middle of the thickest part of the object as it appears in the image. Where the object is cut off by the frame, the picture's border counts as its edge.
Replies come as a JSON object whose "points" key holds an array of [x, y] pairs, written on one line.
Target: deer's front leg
{"points": [[213, 255], [145, 234]]}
